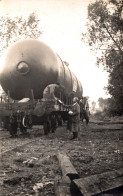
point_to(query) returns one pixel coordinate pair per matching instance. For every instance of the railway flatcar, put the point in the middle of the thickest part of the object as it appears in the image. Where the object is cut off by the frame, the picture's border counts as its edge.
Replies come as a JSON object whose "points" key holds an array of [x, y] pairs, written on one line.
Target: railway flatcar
{"points": [[39, 84]]}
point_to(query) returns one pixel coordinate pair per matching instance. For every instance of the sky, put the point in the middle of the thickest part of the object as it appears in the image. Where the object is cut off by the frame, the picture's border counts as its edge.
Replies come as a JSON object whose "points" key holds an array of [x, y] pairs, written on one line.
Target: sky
{"points": [[63, 22]]}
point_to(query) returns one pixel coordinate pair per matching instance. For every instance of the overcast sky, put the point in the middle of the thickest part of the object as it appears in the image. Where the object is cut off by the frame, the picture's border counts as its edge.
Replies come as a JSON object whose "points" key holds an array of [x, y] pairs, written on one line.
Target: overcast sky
{"points": [[62, 22]]}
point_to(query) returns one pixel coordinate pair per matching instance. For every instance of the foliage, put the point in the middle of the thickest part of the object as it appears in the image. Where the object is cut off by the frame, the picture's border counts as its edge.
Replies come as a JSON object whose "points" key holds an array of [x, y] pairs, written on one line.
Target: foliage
{"points": [[93, 105], [115, 87], [110, 106], [105, 37], [103, 103], [104, 32], [14, 29]]}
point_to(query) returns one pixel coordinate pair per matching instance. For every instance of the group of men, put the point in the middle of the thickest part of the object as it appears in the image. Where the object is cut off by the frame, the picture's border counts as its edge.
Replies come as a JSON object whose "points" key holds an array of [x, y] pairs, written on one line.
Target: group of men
{"points": [[79, 110]]}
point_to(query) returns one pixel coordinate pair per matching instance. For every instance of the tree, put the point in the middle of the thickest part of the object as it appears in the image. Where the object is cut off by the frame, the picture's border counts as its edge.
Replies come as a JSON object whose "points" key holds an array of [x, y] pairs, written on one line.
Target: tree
{"points": [[105, 37], [103, 103], [14, 29], [115, 87], [104, 31], [93, 106]]}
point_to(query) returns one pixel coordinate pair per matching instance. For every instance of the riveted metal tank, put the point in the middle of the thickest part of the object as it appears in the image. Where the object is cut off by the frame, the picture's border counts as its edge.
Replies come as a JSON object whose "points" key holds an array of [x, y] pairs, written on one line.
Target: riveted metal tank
{"points": [[68, 80], [31, 64]]}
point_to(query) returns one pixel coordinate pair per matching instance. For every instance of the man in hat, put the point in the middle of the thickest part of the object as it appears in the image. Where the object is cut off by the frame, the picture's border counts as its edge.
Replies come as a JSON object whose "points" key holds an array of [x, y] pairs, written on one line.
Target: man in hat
{"points": [[75, 117]]}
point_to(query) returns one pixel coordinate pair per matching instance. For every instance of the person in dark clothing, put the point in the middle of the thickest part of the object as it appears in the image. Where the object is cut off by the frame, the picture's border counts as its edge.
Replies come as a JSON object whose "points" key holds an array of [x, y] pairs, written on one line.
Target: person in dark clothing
{"points": [[53, 123], [59, 120], [84, 107]]}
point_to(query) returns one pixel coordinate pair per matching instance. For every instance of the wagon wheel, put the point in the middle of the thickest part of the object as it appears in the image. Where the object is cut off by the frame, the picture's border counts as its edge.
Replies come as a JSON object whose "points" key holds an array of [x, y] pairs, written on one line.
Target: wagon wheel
{"points": [[12, 128], [24, 125], [24, 130]]}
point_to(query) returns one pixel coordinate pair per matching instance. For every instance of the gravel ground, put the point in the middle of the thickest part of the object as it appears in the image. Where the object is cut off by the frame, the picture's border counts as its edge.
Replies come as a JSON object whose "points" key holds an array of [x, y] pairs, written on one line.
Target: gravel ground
{"points": [[33, 168]]}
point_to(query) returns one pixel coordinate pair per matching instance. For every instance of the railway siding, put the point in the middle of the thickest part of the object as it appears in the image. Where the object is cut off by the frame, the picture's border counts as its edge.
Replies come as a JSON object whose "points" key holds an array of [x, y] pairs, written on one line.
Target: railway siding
{"points": [[94, 153]]}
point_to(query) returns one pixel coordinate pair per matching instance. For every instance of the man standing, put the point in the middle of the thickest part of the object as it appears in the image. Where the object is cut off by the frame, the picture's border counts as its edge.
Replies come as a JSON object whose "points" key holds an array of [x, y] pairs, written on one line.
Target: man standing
{"points": [[84, 110], [75, 117]]}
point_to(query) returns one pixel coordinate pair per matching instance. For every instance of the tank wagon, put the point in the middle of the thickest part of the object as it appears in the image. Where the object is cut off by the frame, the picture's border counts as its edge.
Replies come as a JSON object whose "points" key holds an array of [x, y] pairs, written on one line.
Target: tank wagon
{"points": [[39, 85]]}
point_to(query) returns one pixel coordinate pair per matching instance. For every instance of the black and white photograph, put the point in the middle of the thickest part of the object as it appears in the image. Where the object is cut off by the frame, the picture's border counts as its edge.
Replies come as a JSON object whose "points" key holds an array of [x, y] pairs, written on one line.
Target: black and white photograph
{"points": [[61, 97]]}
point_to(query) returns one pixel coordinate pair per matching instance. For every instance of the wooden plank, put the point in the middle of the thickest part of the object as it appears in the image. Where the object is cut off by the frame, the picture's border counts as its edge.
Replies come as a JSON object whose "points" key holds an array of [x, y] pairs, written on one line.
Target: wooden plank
{"points": [[100, 183], [67, 167], [62, 186]]}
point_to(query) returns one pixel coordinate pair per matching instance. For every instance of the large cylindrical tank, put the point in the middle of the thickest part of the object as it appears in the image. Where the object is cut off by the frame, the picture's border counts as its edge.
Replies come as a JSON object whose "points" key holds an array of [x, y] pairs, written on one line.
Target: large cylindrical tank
{"points": [[31, 64]]}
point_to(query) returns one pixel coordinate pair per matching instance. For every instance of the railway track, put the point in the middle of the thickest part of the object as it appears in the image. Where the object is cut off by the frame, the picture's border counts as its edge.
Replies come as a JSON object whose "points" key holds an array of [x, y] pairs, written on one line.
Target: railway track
{"points": [[4, 138], [18, 146], [9, 143], [43, 149]]}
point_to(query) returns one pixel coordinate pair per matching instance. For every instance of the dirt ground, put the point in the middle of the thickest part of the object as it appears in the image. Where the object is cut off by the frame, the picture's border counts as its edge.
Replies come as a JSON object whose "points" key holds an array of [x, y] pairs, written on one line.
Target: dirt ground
{"points": [[32, 169]]}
